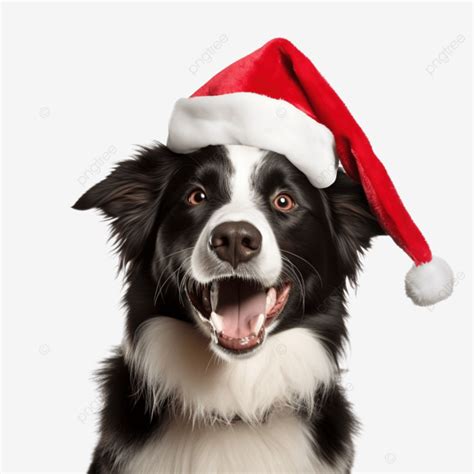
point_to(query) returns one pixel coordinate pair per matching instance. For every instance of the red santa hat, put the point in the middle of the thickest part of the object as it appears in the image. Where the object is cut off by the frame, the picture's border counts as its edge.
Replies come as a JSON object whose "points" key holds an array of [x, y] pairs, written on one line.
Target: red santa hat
{"points": [[275, 99]]}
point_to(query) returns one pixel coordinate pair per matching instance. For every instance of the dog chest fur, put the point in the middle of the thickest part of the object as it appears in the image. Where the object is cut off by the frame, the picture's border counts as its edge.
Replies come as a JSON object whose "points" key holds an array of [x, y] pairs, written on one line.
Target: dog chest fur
{"points": [[175, 362], [281, 444]]}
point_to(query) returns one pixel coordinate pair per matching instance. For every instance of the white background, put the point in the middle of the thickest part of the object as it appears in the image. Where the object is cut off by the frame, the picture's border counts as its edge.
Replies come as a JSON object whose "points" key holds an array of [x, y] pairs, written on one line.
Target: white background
{"points": [[79, 79]]}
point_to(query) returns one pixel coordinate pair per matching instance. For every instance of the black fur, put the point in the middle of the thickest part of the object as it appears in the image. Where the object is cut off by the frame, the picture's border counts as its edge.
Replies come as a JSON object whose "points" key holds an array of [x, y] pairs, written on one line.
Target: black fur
{"points": [[144, 198]]}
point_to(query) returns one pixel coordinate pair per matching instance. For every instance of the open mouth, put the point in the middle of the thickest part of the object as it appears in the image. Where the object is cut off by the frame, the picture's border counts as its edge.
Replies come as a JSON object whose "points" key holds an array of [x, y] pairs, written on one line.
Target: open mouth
{"points": [[238, 311]]}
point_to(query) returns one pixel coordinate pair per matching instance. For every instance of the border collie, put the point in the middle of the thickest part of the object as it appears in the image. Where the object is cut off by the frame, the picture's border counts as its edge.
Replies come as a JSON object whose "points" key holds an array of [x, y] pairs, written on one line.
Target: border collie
{"points": [[236, 270]]}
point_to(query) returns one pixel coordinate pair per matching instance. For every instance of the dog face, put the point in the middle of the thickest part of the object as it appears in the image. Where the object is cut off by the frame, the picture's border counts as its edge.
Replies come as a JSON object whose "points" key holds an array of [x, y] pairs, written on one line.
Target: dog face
{"points": [[234, 239]]}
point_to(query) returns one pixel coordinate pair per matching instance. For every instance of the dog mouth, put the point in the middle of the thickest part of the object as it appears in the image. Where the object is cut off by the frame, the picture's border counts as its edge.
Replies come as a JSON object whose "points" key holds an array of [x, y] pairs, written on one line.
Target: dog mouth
{"points": [[238, 312]]}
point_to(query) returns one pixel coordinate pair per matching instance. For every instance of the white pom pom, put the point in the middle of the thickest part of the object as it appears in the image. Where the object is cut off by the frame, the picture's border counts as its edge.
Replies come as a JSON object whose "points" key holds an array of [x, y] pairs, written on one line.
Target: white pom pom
{"points": [[430, 282]]}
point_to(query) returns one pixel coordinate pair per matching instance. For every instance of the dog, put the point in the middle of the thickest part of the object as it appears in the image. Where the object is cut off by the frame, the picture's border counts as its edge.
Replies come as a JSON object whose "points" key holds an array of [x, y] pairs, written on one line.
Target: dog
{"points": [[236, 270]]}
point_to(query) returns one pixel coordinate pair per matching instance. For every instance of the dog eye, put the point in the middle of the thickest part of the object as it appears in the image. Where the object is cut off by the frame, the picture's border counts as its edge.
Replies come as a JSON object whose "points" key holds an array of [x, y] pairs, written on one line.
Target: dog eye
{"points": [[196, 197], [284, 203]]}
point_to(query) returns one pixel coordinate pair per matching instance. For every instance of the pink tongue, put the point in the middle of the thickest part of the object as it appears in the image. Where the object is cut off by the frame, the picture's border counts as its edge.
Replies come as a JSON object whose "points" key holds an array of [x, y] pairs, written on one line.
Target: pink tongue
{"points": [[239, 303]]}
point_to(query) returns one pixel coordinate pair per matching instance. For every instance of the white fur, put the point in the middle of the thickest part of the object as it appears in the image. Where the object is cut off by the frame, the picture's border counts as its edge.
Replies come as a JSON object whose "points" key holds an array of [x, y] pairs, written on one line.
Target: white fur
{"points": [[266, 266], [281, 445], [253, 119], [174, 360], [430, 282]]}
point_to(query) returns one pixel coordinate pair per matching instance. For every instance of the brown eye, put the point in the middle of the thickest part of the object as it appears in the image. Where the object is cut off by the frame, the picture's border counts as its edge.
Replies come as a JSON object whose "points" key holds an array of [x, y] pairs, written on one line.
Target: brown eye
{"points": [[197, 197], [283, 203]]}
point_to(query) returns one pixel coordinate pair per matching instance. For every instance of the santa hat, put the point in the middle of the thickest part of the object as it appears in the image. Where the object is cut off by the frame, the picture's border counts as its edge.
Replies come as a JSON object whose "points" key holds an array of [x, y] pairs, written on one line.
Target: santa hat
{"points": [[275, 99]]}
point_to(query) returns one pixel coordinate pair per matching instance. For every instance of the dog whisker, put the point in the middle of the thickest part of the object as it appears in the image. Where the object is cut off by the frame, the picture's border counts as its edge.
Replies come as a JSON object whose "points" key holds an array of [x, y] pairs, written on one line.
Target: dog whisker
{"points": [[307, 262], [294, 274]]}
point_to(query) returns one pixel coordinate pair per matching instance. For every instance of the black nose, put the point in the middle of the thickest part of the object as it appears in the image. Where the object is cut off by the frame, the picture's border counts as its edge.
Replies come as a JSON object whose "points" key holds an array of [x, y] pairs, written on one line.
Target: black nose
{"points": [[236, 242]]}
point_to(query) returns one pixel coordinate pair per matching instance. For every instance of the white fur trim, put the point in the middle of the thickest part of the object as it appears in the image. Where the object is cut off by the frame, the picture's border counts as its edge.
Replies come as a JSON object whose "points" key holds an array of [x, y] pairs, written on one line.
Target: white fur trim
{"points": [[430, 282], [245, 118]]}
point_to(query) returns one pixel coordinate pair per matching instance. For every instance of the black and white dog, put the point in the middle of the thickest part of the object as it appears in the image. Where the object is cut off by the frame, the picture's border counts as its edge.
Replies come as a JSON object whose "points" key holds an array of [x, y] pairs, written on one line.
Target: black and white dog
{"points": [[236, 269]]}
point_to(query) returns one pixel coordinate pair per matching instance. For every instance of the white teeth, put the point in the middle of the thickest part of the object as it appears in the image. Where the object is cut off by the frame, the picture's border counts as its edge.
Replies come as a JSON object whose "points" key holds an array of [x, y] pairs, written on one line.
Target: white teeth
{"points": [[258, 324], [214, 295], [202, 318], [243, 341], [216, 320], [212, 328], [214, 338], [271, 299]]}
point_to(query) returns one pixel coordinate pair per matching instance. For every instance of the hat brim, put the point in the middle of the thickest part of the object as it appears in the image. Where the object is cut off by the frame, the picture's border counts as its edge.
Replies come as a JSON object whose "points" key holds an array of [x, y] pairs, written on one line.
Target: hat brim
{"points": [[247, 118]]}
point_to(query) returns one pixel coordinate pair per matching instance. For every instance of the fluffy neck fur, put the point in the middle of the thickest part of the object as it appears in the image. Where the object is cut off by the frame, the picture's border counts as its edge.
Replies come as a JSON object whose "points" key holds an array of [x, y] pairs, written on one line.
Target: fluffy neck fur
{"points": [[173, 363]]}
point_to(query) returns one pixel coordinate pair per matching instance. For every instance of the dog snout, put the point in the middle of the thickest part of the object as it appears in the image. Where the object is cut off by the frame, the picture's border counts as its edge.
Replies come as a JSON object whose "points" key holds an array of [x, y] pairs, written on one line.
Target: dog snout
{"points": [[236, 242]]}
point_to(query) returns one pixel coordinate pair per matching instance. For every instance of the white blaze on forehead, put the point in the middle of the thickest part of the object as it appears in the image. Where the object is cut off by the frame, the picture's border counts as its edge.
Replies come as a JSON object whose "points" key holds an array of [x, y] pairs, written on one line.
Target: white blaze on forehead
{"points": [[245, 160], [244, 205]]}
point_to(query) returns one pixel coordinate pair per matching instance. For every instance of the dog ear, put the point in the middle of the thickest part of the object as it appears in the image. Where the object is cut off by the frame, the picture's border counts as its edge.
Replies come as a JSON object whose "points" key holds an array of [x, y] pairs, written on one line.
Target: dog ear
{"points": [[352, 223], [130, 198]]}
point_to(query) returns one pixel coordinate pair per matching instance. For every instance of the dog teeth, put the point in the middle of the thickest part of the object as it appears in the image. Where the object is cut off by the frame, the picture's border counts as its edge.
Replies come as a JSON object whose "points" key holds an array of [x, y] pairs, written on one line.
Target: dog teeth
{"points": [[214, 295], [258, 324], [271, 299], [202, 318], [216, 321], [214, 338]]}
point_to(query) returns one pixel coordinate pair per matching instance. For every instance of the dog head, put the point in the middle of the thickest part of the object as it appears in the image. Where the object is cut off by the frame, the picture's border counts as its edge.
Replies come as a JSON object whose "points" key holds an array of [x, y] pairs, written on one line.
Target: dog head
{"points": [[234, 240]]}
